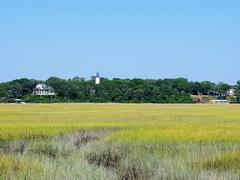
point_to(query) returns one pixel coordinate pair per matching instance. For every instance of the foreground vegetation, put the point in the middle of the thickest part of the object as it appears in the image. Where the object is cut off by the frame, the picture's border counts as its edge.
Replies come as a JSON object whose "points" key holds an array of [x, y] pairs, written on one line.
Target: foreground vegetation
{"points": [[113, 141]]}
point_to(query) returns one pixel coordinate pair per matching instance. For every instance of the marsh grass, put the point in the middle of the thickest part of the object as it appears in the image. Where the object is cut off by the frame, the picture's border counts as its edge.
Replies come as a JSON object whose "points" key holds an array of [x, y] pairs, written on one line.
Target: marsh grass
{"points": [[17, 166], [223, 162], [111, 141]]}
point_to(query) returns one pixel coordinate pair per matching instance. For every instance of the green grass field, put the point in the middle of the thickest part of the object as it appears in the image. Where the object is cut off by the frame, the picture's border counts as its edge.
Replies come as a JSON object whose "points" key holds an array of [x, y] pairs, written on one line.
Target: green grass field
{"points": [[119, 141]]}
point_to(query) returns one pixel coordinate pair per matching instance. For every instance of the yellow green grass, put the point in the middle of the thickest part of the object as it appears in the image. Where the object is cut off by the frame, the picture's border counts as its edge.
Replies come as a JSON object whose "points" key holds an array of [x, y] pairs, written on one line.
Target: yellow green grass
{"points": [[136, 123], [225, 161], [119, 141], [18, 165]]}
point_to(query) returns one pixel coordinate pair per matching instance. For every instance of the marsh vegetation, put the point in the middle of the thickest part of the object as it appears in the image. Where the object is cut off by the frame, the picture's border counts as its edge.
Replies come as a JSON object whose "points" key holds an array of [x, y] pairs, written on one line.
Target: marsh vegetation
{"points": [[112, 141]]}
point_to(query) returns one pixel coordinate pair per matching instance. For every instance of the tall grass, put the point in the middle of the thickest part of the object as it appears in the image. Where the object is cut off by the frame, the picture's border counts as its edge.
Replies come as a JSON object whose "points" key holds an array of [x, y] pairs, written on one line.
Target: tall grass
{"points": [[112, 141]]}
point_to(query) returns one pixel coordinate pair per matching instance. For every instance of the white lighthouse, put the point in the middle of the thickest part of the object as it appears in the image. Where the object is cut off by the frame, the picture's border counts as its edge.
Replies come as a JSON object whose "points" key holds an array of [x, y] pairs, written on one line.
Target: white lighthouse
{"points": [[97, 79]]}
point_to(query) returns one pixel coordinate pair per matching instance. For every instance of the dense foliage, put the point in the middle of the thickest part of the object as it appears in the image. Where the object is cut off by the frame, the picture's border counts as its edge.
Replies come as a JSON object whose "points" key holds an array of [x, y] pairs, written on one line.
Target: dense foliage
{"points": [[115, 90], [238, 91]]}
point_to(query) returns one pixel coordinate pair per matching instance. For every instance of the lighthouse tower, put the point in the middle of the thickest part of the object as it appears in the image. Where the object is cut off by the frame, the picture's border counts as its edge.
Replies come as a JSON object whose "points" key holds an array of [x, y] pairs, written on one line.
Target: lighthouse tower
{"points": [[97, 79]]}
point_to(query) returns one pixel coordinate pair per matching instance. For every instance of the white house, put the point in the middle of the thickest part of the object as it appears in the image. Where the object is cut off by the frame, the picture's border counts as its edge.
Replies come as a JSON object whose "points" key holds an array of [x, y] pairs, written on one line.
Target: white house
{"points": [[44, 90], [231, 92], [97, 79]]}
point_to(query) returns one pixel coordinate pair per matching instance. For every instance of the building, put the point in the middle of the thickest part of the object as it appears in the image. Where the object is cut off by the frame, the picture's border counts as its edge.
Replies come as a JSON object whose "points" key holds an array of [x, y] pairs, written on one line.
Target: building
{"points": [[97, 79], [18, 101], [218, 101], [231, 92], [44, 90]]}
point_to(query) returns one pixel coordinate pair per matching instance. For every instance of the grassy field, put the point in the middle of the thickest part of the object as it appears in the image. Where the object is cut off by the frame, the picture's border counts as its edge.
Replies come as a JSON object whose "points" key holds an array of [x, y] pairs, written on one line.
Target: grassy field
{"points": [[119, 141]]}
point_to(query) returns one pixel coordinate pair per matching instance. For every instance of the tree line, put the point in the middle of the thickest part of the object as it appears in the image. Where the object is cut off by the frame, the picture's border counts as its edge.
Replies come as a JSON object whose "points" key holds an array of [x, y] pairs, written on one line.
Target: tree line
{"points": [[136, 90]]}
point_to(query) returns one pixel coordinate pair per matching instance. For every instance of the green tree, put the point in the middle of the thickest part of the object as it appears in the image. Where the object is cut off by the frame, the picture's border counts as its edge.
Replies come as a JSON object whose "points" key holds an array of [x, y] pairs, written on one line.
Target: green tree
{"points": [[238, 91], [60, 86]]}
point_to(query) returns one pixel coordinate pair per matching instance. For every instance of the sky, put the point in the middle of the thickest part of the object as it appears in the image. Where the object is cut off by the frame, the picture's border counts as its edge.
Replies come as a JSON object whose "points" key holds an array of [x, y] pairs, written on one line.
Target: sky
{"points": [[149, 39]]}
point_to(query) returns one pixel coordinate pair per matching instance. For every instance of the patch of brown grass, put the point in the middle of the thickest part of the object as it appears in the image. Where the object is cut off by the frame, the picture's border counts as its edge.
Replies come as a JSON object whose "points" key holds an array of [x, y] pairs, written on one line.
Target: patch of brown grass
{"points": [[15, 165], [225, 161]]}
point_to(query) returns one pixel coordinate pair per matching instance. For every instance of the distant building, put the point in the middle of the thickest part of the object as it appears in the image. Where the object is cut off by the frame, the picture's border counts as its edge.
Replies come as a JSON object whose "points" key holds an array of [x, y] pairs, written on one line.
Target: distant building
{"points": [[231, 92], [220, 101], [97, 79], [44, 90], [18, 101]]}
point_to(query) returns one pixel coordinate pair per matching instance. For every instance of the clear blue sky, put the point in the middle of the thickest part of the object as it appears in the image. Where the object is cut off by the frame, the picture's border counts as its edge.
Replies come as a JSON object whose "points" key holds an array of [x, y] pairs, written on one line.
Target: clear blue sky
{"points": [[199, 40]]}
